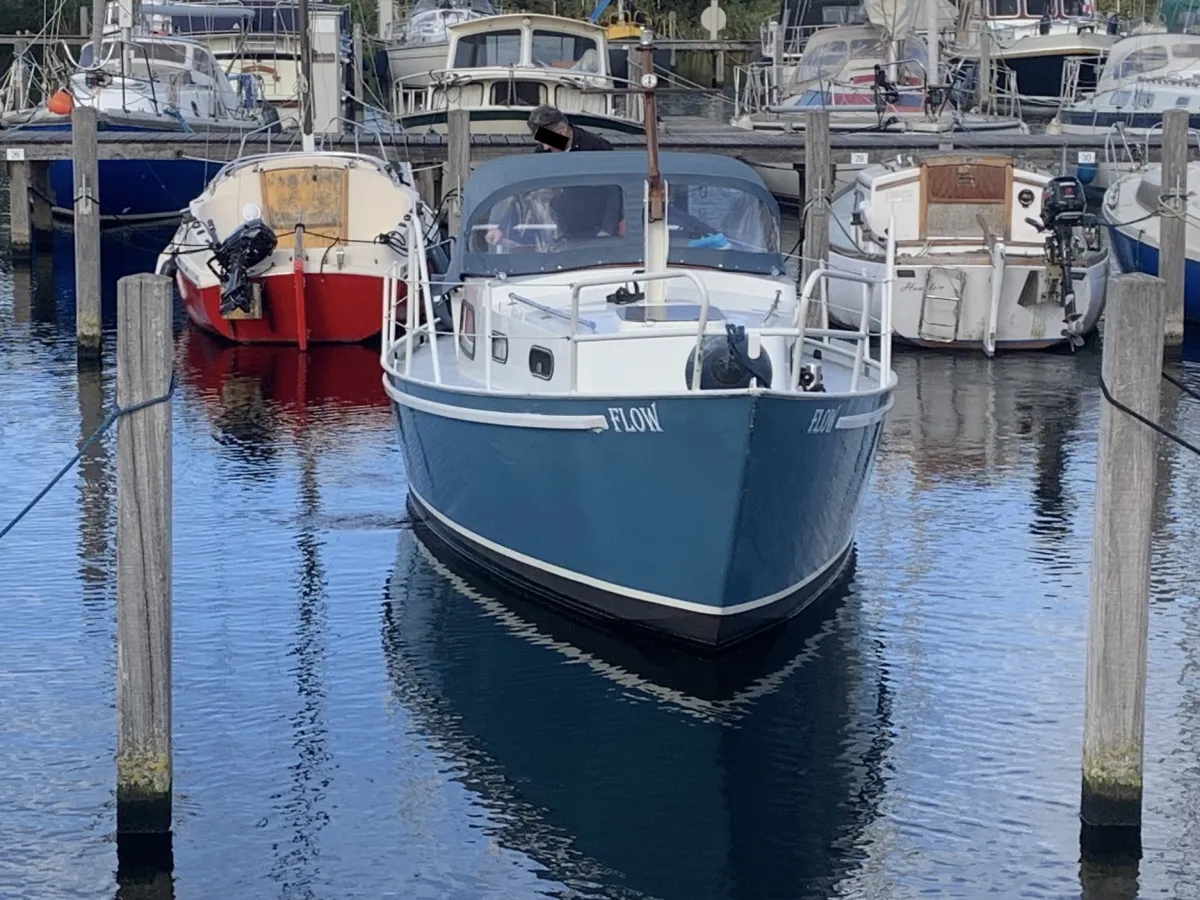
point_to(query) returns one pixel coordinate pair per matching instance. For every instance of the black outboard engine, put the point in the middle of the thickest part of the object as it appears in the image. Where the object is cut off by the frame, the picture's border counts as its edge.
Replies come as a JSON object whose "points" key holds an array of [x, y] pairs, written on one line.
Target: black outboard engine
{"points": [[726, 363], [248, 246], [1064, 209]]}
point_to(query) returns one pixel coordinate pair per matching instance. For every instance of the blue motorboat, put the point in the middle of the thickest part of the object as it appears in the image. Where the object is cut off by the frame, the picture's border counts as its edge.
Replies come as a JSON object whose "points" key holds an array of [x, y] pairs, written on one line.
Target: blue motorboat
{"points": [[1131, 208], [149, 83], [618, 403]]}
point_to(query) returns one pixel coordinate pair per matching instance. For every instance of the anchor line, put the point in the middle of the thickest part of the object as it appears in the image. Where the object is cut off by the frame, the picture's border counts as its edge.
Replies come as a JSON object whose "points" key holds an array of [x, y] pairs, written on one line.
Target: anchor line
{"points": [[117, 412]]}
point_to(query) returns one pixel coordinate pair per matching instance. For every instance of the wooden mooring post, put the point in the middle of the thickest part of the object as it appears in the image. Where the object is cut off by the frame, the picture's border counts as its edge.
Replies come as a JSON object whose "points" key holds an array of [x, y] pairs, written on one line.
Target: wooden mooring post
{"points": [[145, 359], [359, 113], [458, 162], [1172, 254], [29, 201], [86, 166], [1118, 614], [818, 188]]}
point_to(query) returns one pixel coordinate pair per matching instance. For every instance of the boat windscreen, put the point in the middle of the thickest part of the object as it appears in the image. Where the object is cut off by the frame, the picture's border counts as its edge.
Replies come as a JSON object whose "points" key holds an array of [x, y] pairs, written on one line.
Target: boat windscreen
{"points": [[493, 48], [562, 50], [570, 226]]}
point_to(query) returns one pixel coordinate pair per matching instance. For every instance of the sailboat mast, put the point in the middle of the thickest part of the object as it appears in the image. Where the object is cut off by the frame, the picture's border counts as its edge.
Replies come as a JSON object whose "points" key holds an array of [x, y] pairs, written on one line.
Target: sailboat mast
{"points": [[97, 30], [306, 81]]}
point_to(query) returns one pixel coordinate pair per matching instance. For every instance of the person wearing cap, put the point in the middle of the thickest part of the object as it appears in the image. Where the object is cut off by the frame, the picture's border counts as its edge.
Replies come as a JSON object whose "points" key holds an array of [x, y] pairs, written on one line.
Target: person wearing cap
{"points": [[554, 119]]}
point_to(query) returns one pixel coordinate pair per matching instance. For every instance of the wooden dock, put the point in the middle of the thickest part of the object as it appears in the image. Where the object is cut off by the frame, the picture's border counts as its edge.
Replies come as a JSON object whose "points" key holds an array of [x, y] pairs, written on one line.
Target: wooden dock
{"points": [[431, 149]]}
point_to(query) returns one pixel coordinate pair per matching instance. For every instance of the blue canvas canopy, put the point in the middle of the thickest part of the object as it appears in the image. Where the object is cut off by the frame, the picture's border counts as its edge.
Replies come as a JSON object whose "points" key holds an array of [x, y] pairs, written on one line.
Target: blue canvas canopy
{"points": [[720, 212]]}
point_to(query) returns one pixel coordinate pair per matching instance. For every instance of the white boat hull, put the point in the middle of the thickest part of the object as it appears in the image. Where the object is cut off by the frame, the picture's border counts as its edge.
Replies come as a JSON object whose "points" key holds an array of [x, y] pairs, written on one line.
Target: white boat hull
{"points": [[934, 321], [413, 65]]}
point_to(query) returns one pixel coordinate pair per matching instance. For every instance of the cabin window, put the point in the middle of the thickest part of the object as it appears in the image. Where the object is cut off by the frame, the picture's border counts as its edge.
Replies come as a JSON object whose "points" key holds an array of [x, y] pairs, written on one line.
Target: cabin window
{"points": [[555, 50], [720, 218], [1186, 51], [516, 93], [541, 362], [492, 48], [550, 220], [1182, 101], [1035, 9], [1120, 98], [1141, 61], [499, 347], [466, 329], [1004, 8]]}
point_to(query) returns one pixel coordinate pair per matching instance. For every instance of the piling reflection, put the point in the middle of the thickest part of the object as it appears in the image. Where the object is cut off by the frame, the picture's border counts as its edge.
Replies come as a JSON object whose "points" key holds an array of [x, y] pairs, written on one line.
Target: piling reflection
{"points": [[96, 496], [629, 767]]}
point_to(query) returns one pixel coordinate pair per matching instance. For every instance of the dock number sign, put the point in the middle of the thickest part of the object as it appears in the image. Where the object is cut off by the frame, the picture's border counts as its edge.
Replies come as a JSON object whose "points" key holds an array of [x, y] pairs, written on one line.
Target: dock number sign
{"points": [[1087, 156], [858, 159]]}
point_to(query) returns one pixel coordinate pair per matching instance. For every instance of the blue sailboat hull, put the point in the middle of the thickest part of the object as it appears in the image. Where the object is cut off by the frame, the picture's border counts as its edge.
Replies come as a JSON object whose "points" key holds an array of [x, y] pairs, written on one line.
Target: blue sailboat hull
{"points": [[1134, 255], [133, 189], [705, 518]]}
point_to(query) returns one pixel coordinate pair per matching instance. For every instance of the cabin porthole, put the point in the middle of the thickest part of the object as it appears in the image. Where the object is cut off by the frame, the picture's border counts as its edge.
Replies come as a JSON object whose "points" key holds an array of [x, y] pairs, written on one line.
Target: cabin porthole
{"points": [[466, 329], [541, 362], [499, 347]]}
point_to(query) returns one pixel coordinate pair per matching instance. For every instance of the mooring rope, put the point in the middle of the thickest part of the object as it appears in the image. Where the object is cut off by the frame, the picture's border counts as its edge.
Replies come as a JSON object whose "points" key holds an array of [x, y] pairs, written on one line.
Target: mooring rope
{"points": [[116, 413]]}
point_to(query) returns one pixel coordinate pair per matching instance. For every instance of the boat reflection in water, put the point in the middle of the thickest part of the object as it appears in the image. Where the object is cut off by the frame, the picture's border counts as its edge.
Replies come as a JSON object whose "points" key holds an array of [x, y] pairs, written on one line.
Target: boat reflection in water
{"points": [[629, 767]]}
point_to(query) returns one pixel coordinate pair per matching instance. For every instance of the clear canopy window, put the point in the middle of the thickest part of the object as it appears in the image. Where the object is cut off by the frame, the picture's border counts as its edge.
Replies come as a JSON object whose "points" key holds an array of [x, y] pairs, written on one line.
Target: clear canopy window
{"points": [[826, 60], [720, 218], [1140, 62], [138, 58], [550, 220], [554, 49], [495, 48]]}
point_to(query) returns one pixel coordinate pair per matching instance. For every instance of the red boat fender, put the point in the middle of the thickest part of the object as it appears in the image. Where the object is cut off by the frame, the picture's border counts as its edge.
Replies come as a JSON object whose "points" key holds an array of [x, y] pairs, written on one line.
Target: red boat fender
{"points": [[298, 282]]}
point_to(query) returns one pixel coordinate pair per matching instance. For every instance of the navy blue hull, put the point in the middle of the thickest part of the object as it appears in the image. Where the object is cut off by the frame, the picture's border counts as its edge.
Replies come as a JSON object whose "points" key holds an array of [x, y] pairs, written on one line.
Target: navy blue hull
{"points": [[1137, 256], [1041, 76], [134, 189], [725, 515]]}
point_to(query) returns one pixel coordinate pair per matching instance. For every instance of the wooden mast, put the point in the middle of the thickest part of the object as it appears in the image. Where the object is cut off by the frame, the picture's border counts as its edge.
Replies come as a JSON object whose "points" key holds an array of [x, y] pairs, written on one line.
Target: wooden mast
{"points": [[657, 236]]}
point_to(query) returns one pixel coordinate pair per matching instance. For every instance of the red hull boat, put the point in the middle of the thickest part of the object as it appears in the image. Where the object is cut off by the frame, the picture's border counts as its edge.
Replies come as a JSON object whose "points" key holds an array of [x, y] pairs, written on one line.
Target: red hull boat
{"points": [[295, 248]]}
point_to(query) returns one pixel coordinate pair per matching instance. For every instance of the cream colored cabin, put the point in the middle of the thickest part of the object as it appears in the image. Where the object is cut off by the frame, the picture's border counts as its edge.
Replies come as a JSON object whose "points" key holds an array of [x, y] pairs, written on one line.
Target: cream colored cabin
{"points": [[501, 67]]}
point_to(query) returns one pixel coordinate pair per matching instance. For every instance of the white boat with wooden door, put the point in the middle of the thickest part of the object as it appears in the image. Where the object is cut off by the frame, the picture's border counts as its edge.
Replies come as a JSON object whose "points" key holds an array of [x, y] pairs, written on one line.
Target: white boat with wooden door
{"points": [[988, 255], [417, 46], [501, 67], [294, 247]]}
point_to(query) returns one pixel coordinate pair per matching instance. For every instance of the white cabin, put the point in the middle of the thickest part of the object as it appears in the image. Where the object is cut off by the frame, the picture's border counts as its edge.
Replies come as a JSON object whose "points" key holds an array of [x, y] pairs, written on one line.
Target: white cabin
{"points": [[503, 66]]}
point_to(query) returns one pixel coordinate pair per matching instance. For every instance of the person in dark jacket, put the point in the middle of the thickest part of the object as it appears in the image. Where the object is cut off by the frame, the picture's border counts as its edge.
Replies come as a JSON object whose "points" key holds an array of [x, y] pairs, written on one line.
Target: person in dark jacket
{"points": [[554, 119], [581, 211]]}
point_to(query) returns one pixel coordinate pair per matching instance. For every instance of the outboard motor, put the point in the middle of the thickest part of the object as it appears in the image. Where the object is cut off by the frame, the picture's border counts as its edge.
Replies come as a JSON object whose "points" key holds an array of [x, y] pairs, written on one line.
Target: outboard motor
{"points": [[250, 244], [726, 363], [1064, 209]]}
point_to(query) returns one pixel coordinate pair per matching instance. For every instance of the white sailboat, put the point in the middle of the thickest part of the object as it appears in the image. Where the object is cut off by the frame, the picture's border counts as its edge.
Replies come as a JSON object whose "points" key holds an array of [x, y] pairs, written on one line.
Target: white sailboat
{"points": [[878, 76], [416, 48]]}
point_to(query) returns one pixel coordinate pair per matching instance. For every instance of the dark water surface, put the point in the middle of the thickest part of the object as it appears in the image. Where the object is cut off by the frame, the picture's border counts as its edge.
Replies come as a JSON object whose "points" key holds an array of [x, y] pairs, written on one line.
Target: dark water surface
{"points": [[356, 719]]}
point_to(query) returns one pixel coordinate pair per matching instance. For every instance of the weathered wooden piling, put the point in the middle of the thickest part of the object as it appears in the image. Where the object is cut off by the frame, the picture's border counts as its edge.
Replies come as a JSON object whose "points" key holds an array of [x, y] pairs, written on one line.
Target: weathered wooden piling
{"points": [[458, 161], [29, 200], [19, 207], [1172, 224], [144, 366], [818, 188], [1115, 698], [86, 167]]}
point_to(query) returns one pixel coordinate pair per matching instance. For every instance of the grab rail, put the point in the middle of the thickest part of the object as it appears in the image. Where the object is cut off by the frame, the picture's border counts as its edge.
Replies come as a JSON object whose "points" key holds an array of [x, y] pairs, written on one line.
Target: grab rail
{"points": [[605, 280]]}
